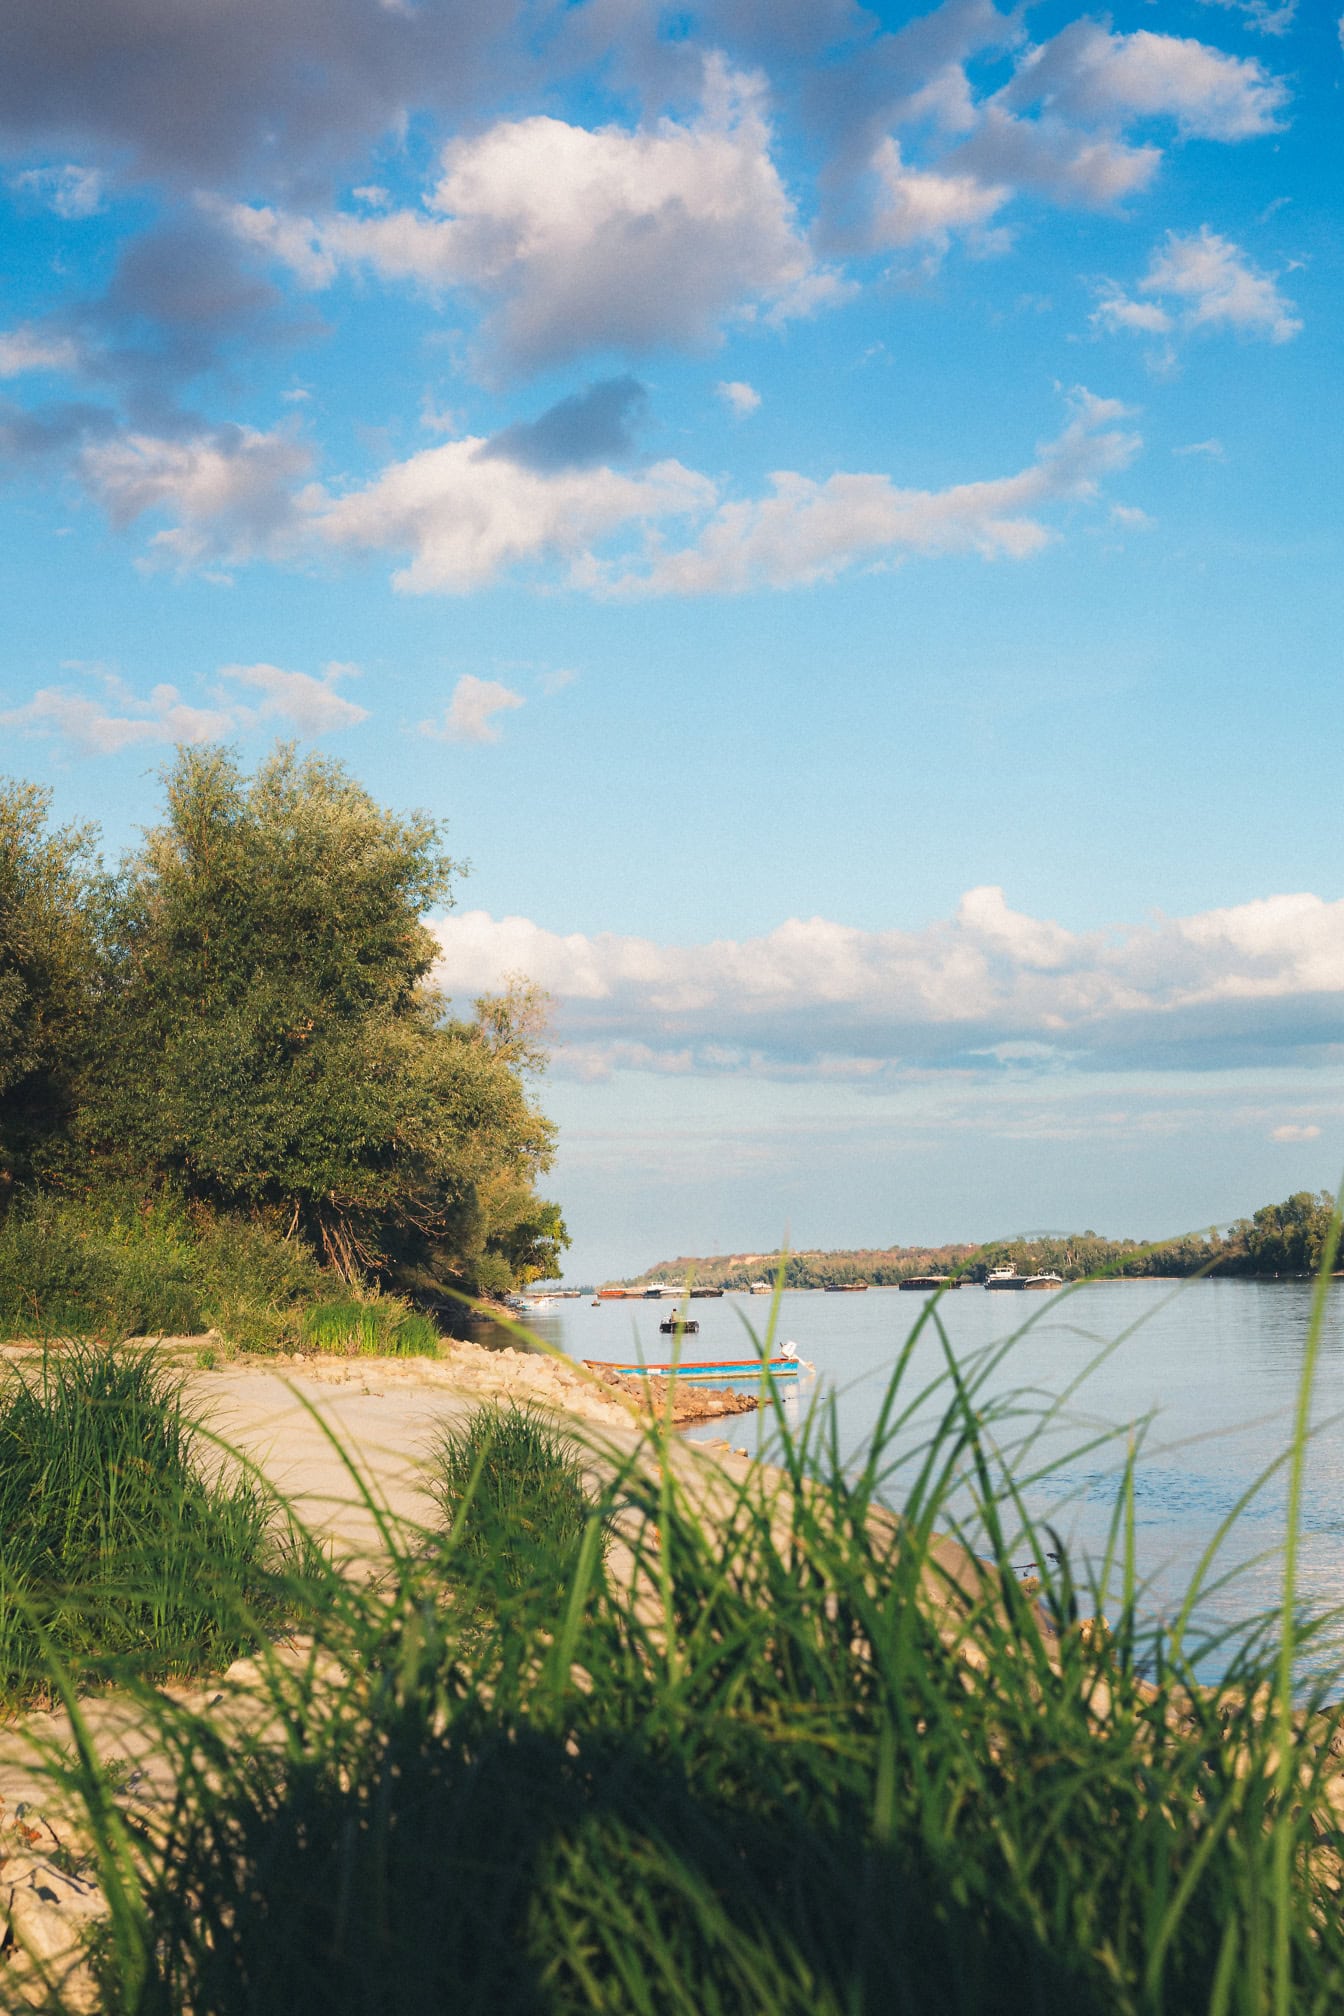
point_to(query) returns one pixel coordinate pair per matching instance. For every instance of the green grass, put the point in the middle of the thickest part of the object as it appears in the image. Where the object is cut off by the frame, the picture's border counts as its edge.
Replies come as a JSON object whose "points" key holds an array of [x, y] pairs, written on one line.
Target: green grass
{"points": [[798, 1758], [513, 1504], [384, 1327], [119, 1556]]}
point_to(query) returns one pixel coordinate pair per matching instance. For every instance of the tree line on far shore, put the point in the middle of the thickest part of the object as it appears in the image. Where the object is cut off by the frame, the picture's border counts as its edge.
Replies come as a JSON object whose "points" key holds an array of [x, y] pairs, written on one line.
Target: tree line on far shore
{"points": [[237, 1028], [1278, 1240]]}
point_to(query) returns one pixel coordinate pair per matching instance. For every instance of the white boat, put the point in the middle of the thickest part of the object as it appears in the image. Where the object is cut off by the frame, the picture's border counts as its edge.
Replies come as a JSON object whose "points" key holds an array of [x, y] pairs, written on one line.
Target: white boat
{"points": [[1005, 1277], [1044, 1281]]}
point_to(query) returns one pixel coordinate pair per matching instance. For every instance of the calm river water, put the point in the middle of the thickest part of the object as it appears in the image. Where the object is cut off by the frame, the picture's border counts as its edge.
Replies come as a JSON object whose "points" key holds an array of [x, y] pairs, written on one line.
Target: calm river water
{"points": [[1208, 1369]]}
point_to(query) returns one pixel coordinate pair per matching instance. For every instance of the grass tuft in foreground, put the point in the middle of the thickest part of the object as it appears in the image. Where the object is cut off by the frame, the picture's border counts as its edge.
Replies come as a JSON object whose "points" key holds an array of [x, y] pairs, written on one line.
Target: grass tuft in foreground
{"points": [[120, 1552], [514, 1505]]}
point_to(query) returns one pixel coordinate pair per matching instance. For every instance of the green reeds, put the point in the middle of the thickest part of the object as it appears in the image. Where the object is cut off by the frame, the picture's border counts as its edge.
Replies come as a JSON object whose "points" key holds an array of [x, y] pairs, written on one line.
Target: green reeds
{"points": [[379, 1327], [801, 1744], [120, 1553]]}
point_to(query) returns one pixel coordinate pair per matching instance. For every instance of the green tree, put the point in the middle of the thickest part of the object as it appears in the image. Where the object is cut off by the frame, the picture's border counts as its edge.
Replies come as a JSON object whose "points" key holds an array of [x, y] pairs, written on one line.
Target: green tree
{"points": [[272, 1041], [49, 900]]}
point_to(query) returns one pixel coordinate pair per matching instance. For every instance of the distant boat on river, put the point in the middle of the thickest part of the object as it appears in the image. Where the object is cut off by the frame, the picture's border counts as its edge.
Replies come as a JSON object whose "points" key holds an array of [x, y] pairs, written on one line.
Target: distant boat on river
{"points": [[930, 1281], [1044, 1281], [1005, 1277], [847, 1288]]}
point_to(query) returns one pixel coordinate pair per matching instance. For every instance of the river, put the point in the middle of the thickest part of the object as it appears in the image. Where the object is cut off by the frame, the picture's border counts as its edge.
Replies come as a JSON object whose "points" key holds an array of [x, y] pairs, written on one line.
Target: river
{"points": [[1206, 1371]]}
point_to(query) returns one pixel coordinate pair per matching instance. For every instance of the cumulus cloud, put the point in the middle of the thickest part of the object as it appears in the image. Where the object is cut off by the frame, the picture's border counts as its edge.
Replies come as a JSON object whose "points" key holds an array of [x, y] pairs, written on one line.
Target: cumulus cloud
{"points": [[229, 492], [465, 516], [923, 153], [739, 396], [580, 239], [106, 715], [1088, 74], [71, 191], [917, 204], [805, 531], [1260, 982], [466, 512], [470, 714], [1200, 281]]}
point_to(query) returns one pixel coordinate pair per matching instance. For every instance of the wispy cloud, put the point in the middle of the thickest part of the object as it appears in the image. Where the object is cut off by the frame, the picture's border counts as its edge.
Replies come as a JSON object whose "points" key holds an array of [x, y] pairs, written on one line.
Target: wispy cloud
{"points": [[71, 191], [1200, 281], [106, 715]]}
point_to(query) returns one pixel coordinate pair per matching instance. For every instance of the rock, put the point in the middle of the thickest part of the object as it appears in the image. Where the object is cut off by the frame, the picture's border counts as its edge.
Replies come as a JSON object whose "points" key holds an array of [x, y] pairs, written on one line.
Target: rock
{"points": [[48, 1915]]}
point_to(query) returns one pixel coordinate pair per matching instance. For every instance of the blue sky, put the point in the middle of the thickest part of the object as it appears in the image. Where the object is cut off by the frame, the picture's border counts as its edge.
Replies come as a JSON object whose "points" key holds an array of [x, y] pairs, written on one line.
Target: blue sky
{"points": [[837, 507]]}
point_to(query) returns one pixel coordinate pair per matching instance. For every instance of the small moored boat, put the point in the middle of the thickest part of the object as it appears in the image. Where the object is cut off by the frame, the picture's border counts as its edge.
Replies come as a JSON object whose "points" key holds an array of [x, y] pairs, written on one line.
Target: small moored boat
{"points": [[785, 1364], [672, 1324]]}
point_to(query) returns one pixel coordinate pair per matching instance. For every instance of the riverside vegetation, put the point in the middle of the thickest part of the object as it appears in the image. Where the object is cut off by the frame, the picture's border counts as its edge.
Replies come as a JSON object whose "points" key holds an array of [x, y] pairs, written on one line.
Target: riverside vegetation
{"points": [[612, 1730], [228, 1091], [1278, 1240]]}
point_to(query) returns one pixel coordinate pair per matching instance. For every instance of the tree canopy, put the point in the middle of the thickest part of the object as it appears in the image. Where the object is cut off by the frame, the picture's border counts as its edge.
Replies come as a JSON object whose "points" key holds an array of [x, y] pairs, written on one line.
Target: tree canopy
{"points": [[268, 1038]]}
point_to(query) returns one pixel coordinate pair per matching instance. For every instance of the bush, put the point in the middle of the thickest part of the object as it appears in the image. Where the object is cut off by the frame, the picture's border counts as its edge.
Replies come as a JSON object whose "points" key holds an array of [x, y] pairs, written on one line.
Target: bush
{"points": [[116, 1548], [121, 1264]]}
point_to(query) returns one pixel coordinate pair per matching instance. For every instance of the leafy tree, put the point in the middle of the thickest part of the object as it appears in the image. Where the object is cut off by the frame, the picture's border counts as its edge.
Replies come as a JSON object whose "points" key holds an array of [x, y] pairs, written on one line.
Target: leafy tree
{"points": [[1286, 1238], [272, 1041], [49, 899]]}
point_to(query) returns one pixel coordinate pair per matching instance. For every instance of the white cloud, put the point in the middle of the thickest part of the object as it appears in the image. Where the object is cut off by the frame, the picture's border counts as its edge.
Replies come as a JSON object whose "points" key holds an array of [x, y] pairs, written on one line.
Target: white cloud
{"points": [[312, 705], [71, 191], [1212, 449], [1062, 128], [1210, 276], [1116, 310], [742, 398], [1259, 982], [114, 717], [27, 348], [465, 517], [1291, 1131], [1199, 281], [915, 204], [1131, 518], [470, 714], [1088, 74], [1267, 17], [805, 531], [579, 238], [104, 727], [230, 493]]}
